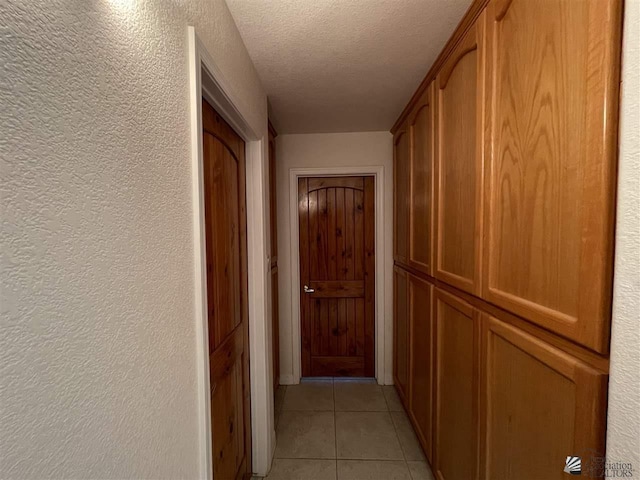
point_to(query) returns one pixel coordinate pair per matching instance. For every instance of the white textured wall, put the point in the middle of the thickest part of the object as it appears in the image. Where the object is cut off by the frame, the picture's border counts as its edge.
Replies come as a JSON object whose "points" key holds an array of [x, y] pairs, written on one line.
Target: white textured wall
{"points": [[623, 434], [329, 150], [98, 348]]}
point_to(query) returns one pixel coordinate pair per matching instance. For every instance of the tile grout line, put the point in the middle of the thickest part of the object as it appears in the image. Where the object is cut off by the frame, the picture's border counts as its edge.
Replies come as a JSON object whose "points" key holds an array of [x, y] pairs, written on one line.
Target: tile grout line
{"points": [[388, 409], [395, 429]]}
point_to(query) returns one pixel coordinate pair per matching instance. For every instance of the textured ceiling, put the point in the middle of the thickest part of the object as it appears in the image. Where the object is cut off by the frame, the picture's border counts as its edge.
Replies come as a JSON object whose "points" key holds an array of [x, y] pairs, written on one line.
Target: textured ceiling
{"points": [[343, 65]]}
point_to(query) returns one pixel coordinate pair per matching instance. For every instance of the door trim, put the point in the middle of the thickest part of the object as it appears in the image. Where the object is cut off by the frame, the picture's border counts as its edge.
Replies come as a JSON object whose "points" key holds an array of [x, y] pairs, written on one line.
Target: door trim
{"points": [[206, 80], [383, 354]]}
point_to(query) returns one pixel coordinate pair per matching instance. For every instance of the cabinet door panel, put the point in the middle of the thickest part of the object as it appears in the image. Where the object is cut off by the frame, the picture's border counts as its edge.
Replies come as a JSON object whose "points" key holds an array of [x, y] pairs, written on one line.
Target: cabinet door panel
{"points": [[459, 162], [541, 405], [457, 350], [551, 163], [421, 402], [401, 334], [421, 197], [401, 168]]}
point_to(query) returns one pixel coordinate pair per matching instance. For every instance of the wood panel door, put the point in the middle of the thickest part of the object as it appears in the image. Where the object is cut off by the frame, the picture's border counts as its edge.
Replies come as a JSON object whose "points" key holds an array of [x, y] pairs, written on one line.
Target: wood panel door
{"points": [[421, 366], [337, 275], [457, 349], [551, 163], [459, 158], [421, 159], [273, 224], [541, 405], [226, 252], [401, 191], [401, 332]]}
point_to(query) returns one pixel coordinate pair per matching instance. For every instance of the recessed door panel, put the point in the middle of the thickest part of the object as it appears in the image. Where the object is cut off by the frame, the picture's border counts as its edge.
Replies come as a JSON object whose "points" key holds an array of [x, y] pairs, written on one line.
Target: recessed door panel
{"points": [[421, 183], [421, 368], [459, 162], [542, 406], [551, 163], [457, 351], [226, 254]]}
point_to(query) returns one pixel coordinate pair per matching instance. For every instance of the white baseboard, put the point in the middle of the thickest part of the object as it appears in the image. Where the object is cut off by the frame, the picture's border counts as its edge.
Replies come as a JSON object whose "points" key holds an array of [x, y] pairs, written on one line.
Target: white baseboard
{"points": [[287, 380]]}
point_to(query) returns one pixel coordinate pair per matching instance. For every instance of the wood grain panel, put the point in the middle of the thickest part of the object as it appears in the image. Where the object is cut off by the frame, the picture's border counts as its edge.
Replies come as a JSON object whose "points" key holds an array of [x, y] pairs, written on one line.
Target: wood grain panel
{"points": [[273, 205], [540, 405], [307, 235], [273, 229], [337, 366], [370, 277], [401, 190], [222, 232], [337, 260], [457, 352], [421, 366], [553, 89], [337, 289], [401, 334], [317, 183], [227, 319], [421, 181], [459, 158]]}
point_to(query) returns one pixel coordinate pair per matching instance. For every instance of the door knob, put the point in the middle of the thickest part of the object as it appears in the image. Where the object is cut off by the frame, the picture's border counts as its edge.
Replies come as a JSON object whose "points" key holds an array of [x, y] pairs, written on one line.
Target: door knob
{"points": [[308, 290]]}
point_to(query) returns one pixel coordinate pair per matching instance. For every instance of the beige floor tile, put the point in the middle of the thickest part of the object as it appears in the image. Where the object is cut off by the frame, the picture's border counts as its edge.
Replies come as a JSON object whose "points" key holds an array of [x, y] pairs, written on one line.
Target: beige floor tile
{"points": [[303, 469], [372, 470], [305, 435], [314, 395], [359, 397], [408, 440], [420, 471], [367, 436], [279, 397], [392, 398]]}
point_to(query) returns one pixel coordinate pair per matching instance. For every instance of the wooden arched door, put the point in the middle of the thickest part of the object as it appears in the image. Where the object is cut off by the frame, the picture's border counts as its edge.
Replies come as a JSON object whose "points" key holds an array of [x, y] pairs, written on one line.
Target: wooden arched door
{"points": [[227, 319], [337, 276]]}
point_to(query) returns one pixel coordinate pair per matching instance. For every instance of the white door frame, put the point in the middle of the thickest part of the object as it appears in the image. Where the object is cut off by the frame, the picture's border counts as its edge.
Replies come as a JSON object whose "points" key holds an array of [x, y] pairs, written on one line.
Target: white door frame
{"points": [[206, 80], [378, 173]]}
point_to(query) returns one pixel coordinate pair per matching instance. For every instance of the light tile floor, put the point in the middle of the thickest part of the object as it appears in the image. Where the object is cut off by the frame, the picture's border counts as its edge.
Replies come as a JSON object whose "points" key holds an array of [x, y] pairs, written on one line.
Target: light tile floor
{"points": [[344, 429]]}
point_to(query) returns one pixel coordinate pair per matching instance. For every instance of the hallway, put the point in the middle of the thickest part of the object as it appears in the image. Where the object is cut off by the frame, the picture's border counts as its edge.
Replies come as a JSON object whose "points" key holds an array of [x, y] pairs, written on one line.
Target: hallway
{"points": [[213, 212], [344, 429]]}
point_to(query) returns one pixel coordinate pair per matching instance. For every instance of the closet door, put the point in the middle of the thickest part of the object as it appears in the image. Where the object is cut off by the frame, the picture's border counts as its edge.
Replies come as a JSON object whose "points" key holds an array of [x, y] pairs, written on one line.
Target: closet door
{"points": [[457, 348], [551, 163], [421, 370], [542, 405], [421, 183], [273, 224], [401, 334], [401, 168], [459, 157]]}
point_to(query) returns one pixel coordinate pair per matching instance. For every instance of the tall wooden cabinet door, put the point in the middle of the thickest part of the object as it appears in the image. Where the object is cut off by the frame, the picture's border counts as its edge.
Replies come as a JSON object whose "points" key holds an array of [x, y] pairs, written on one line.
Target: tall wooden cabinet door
{"points": [[401, 168], [457, 347], [421, 368], [459, 162], [273, 205], [542, 405], [401, 334], [273, 221], [551, 163], [421, 184]]}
